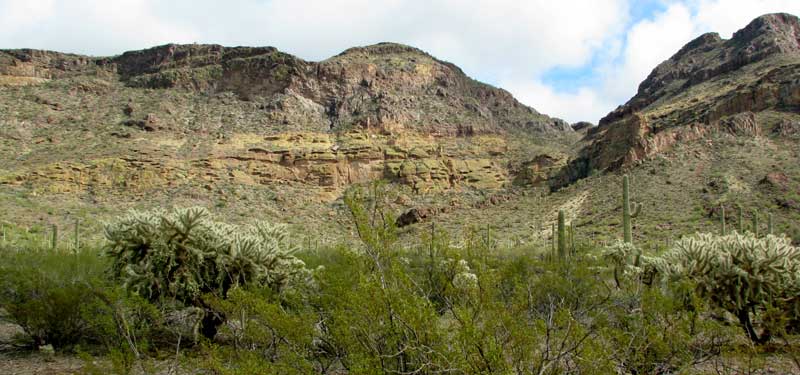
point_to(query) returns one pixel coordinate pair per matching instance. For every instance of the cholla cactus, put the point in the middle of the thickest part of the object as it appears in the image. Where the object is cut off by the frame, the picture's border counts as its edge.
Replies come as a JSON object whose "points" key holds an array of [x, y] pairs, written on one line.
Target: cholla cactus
{"points": [[183, 255], [624, 257], [464, 279], [740, 273]]}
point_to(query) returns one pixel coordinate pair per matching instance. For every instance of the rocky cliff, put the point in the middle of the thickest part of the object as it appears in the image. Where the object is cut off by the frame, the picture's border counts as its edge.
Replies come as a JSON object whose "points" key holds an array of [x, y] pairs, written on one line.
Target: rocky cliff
{"points": [[385, 86], [710, 85], [198, 120]]}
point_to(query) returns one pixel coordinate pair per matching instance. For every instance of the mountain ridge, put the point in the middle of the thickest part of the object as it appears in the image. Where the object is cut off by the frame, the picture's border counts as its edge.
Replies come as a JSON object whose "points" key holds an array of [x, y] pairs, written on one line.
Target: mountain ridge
{"points": [[710, 84], [255, 132], [331, 83]]}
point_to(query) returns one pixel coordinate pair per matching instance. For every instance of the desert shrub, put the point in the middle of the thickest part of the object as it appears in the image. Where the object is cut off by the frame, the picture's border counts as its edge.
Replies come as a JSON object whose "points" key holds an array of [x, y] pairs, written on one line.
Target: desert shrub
{"points": [[742, 274], [660, 330], [124, 324], [186, 256], [268, 334], [45, 291]]}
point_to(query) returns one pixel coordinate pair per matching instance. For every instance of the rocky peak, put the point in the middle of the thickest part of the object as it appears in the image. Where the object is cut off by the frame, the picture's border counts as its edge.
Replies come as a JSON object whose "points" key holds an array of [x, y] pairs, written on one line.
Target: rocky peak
{"points": [[702, 43], [33, 63], [387, 86], [710, 85], [383, 48], [709, 56], [771, 33]]}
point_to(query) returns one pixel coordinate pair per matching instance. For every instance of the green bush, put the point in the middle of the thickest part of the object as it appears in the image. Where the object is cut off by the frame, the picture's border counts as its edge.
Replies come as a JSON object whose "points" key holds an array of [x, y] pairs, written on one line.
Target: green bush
{"points": [[184, 256], [124, 324], [45, 293]]}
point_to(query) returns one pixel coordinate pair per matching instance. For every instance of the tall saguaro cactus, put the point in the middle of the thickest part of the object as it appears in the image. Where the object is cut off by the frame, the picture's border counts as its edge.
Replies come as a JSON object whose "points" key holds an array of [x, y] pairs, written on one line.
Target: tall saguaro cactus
{"points": [[571, 239], [562, 235], [629, 210], [77, 234], [770, 224], [722, 214], [740, 223], [755, 223], [54, 239]]}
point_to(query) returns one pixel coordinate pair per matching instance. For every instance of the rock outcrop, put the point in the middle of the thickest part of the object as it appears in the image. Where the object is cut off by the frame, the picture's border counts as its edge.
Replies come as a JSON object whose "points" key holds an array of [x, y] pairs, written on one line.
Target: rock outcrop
{"points": [[709, 85], [258, 116], [386, 86]]}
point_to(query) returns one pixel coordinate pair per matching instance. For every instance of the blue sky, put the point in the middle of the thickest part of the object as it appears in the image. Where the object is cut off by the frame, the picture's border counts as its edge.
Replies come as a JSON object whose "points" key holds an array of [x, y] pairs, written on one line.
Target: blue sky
{"points": [[574, 59], [569, 79]]}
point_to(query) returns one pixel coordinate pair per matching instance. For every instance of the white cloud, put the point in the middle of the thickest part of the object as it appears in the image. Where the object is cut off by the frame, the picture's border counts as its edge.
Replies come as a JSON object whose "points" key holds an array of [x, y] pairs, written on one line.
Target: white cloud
{"points": [[727, 16], [94, 27], [488, 38], [18, 15], [584, 104], [647, 43]]}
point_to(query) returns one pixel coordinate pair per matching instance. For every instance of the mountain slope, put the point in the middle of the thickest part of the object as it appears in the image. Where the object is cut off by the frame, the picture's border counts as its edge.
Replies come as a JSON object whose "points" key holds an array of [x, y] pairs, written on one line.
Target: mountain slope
{"points": [[257, 132], [385, 85], [716, 125], [711, 84]]}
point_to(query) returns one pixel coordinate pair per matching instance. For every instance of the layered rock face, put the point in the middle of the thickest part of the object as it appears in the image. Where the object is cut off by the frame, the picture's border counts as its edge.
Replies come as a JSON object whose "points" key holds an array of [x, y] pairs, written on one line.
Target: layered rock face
{"points": [[207, 114], [711, 84], [386, 86]]}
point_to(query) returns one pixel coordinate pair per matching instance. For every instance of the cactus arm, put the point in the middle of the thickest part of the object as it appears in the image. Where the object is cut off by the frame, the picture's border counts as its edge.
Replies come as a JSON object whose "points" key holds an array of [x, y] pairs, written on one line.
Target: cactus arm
{"points": [[637, 209], [572, 239]]}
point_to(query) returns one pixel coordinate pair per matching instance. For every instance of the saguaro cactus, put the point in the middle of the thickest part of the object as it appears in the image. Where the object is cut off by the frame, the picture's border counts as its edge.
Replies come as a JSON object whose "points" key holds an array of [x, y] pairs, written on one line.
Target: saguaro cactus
{"points": [[562, 235], [77, 234], [722, 215], [572, 239], [770, 227], [741, 219], [553, 241], [54, 239], [755, 223], [629, 210]]}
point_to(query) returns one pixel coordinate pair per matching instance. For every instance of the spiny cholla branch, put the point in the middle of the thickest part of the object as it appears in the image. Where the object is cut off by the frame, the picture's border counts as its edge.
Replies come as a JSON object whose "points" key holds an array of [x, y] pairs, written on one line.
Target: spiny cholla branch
{"points": [[184, 254]]}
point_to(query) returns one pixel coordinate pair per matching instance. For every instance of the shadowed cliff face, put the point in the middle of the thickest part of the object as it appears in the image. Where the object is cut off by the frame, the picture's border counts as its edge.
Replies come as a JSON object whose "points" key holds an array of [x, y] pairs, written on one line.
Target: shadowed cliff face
{"points": [[710, 85]]}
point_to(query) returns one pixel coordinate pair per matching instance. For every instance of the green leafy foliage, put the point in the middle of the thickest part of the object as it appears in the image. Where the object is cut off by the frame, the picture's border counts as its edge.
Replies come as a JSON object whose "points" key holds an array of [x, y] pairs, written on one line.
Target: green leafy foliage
{"points": [[45, 292], [439, 306]]}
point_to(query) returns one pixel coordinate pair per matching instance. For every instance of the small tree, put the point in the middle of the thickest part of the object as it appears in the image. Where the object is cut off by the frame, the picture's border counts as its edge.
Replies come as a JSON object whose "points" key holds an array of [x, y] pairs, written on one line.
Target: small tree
{"points": [[184, 256], [740, 273]]}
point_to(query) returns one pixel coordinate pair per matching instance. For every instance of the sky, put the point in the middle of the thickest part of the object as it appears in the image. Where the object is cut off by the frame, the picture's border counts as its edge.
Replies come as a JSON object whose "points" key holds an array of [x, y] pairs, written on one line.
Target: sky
{"points": [[573, 59]]}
